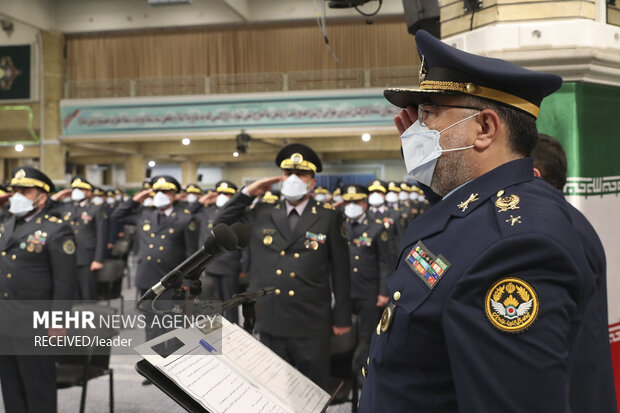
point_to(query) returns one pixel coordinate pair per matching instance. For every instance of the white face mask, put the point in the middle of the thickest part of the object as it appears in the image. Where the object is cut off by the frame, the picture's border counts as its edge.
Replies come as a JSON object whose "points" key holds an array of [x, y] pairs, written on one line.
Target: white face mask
{"points": [[118, 197], [148, 202], [353, 210], [191, 198], [97, 200], [77, 195], [413, 196], [320, 197], [403, 196], [20, 205], [337, 198], [391, 197], [160, 200], [110, 200], [293, 188], [125, 197], [375, 199], [221, 200], [421, 149]]}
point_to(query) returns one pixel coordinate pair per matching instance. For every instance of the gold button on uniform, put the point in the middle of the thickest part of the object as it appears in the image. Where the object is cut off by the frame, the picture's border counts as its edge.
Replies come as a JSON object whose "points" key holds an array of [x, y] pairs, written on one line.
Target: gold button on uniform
{"points": [[355, 269], [278, 272], [163, 236], [6, 295], [9, 275], [396, 296], [364, 371], [152, 235], [14, 256], [158, 260], [277, 291], [282, 253], [296, 255], [500, 192], [292, 275], [291, 293], [148, 258], [357, 257], [3, 253], [161, 248], [150, 245]]}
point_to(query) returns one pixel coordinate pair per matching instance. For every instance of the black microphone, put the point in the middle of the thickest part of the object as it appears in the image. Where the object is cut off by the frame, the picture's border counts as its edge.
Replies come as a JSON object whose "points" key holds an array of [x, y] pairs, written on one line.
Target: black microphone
{"points": [[221, 239], [243, 234]]}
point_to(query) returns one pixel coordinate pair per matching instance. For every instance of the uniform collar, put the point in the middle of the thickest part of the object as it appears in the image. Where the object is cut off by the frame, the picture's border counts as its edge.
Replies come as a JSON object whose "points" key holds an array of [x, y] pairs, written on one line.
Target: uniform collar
{"points": [[469, 197], [299, 207]]}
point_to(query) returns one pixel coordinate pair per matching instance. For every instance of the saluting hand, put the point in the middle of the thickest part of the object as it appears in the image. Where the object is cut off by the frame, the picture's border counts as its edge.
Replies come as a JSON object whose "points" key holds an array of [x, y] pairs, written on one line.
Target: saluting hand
{"points": [[60, 195], [208, 199], [142, 195], [405, 119], [4, 198], [261, 186]]}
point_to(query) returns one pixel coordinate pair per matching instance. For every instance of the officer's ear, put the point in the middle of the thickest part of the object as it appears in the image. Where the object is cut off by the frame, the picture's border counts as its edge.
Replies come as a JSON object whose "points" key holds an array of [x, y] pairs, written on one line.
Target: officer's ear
{"points": [[537, 173], [41, 199], [489, 128]]}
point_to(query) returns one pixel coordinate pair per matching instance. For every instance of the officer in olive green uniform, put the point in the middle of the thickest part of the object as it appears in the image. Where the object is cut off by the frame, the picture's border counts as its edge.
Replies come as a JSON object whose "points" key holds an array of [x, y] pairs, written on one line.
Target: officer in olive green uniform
{"points": [[299, 246], [166, 234], [37, 262], [371, 259], [90, 225]]}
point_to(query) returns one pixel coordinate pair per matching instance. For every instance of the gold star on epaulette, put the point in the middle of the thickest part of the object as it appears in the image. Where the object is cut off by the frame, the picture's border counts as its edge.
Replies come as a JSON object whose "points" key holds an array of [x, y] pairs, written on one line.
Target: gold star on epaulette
{"points": [[328, 206]]}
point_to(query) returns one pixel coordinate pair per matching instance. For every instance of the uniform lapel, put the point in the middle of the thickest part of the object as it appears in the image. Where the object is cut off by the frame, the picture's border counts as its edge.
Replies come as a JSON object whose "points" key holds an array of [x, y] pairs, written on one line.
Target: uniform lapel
{"points": [[280, 220], [9, 227], [308, 217]]}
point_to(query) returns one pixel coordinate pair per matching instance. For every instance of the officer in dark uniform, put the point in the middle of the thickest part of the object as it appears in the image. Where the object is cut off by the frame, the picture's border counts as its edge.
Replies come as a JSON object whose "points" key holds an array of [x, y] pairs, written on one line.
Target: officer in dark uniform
{"points": [[37, 262], [321, 194], [299, 246], [492, 285], [90, 225], [189, 198], [379, 212], [371, 259], [592, 376], [223, 271], [166, 234]]}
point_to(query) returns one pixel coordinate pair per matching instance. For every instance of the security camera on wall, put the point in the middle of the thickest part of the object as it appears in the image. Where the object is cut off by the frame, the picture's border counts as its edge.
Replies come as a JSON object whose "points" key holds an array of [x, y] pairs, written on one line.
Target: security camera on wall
{"points": [[345, 4]]}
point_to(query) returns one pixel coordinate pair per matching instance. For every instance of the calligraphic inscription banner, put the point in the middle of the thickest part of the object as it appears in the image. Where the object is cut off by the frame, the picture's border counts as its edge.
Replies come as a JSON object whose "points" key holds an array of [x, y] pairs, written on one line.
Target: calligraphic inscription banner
{"points": [[281, 111]]}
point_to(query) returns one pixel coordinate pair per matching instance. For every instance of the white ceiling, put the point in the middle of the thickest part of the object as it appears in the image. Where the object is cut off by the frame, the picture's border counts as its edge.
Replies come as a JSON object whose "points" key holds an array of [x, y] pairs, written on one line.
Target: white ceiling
{"points": [[78, 16]]}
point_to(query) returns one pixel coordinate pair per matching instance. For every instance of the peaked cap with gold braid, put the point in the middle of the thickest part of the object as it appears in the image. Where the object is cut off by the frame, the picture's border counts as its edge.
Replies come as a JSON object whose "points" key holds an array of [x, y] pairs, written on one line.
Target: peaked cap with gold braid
{"points": [[450, 71]]}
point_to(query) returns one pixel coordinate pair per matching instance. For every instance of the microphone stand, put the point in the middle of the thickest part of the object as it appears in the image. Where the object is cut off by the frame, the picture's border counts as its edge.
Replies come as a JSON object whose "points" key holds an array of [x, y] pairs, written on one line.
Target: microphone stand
{"points": [[247, 301]]}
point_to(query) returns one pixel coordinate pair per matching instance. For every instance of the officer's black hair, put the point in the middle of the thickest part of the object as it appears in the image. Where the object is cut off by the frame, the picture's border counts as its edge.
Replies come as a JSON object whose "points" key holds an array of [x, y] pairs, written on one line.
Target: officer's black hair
{"points": [[522, 132], [550, 160]]}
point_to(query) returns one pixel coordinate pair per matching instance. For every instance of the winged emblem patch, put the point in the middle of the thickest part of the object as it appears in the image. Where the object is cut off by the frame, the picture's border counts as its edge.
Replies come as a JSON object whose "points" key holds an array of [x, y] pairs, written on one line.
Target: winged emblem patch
{"points": [[511, 305]]}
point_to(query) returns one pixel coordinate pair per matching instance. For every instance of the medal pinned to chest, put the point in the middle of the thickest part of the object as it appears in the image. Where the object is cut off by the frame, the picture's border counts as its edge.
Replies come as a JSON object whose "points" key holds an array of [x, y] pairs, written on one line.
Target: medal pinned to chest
{"points": [[35, 242], [363, 241], [85, 217], [313, 240]]}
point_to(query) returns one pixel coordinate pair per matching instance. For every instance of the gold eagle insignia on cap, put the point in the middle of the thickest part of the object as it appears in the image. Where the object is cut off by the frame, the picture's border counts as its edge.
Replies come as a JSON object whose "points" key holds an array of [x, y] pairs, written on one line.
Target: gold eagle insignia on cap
{"points": [[297, 158], [511, 305]]}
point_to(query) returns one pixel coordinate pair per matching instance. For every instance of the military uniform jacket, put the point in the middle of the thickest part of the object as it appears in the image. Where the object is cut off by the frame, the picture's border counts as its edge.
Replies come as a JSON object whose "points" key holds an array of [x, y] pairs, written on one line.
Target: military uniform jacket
{"points": [[229, 263], [305, 266], [388, 218], [90, 225], [37, 259], [371, 260], [161, 246], [492, 327]]}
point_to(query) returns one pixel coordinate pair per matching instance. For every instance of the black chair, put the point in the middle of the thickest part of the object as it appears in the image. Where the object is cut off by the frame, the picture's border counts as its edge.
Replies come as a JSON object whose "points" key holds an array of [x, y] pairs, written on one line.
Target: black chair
{"points": [[343, 365], [87, 362], [110, 281], [121, 248]]}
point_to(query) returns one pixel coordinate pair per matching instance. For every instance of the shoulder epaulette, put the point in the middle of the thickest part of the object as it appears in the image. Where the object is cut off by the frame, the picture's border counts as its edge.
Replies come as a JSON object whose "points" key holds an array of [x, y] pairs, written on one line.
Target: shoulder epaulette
{"points": [[187, 211], [327, 206]]}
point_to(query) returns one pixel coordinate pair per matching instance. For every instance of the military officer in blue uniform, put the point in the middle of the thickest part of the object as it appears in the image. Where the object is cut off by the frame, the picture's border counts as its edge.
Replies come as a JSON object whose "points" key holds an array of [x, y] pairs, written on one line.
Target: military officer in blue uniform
{"points": [[90, 225], [492, 283], [379, 212], [166, 234], [299, 246], [371, 259], [592, 376], [37, 262]]}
